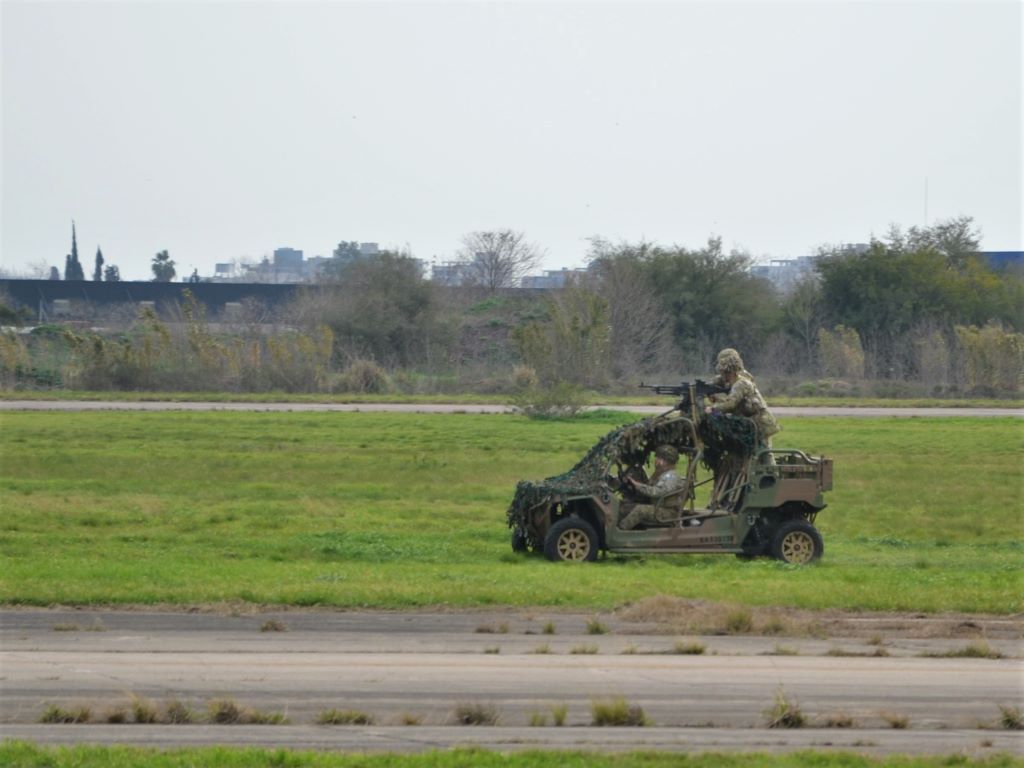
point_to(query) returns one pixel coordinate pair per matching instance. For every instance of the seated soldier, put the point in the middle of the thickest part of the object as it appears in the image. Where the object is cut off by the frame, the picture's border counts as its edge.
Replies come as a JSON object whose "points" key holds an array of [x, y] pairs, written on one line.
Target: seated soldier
{"points": [[664, 480]]}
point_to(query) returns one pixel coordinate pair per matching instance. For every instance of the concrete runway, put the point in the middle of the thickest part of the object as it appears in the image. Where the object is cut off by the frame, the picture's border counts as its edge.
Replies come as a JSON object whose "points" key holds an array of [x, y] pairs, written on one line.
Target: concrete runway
{"points": [[424, 665], [787, 412]]}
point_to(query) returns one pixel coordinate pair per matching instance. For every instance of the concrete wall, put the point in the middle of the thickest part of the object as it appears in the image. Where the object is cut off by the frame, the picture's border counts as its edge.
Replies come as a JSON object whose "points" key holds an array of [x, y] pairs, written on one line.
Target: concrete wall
{"points": [[29, 293]]}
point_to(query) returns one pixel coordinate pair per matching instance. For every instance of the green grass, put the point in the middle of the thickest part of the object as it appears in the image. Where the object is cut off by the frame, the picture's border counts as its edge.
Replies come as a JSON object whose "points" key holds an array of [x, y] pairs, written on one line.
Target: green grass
{"points": [[404, 510], [24, 755]]}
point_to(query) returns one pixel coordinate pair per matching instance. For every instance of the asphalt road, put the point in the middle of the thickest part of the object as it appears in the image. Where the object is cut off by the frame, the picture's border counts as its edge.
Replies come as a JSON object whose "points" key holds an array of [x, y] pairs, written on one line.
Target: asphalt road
{"points": [[424, 665], [783, 411]]}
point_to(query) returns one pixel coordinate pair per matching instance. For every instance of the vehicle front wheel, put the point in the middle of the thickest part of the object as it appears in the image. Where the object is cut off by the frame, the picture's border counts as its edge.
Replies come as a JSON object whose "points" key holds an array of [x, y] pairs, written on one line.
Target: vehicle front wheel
{"points": [[797, 542], [519, 541], [572, 539]]}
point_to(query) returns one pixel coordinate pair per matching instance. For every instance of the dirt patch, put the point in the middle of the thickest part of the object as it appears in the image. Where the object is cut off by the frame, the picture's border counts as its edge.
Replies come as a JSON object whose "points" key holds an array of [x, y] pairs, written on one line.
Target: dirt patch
{"points": [[676, 615]]}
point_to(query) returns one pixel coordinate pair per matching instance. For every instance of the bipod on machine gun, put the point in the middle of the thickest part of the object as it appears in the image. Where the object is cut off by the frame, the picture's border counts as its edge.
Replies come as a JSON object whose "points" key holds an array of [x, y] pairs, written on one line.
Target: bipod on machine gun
{"points": [[689, 393]]}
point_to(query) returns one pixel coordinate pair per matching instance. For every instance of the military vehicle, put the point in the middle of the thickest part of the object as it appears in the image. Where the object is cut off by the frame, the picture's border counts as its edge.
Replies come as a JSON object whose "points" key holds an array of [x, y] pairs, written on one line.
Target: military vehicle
{"points": [[762, 502]]}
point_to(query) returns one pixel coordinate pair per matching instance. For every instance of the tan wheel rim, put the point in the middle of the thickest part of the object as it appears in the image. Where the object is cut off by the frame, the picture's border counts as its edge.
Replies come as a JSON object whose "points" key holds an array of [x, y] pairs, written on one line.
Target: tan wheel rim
{"points": [[573, 545], [797, 547]]}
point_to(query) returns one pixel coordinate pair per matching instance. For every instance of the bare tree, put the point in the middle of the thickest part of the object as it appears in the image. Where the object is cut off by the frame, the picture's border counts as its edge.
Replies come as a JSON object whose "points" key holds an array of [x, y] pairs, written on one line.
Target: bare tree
{"points": [[641, 331], [802, 316], [497, 259]]}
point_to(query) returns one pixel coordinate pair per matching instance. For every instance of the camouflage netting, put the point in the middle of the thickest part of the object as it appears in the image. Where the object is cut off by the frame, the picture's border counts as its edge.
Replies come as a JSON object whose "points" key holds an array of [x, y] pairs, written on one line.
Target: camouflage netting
{"points": [[628, 446], [725, 435]]}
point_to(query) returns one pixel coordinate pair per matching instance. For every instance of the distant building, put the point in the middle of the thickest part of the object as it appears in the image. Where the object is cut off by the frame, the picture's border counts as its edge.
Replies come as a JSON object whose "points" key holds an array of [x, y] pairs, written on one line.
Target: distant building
{"points": [[784, 274], [287, 258], [288, 266], [448, 273], [552, 279], [316, 266], [1004, 260]]}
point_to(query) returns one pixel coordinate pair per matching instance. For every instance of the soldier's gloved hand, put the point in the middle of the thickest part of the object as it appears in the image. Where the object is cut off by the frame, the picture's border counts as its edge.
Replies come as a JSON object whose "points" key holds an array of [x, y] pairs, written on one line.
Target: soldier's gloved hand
{"points": [[708, 409]]}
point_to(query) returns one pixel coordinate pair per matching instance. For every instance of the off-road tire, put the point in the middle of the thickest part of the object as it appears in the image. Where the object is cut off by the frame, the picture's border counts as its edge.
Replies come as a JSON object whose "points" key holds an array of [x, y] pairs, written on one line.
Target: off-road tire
{"points": [[797, 542], [519, 541], [572, 539]]}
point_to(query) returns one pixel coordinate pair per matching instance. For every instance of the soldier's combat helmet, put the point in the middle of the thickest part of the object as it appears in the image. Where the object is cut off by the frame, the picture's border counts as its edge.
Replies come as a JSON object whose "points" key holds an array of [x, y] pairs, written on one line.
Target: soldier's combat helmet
{"points": [[729, 360], [667, 453]]}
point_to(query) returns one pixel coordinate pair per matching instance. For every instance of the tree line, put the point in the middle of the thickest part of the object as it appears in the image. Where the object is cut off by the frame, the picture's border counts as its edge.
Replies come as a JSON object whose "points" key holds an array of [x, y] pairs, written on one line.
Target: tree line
{"points": [[918, 312], [915, 306]]}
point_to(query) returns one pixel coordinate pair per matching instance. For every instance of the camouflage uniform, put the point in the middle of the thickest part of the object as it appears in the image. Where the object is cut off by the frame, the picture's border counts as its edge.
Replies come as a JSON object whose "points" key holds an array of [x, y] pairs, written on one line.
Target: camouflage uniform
{"points": [[744, 397], [663, 482]]}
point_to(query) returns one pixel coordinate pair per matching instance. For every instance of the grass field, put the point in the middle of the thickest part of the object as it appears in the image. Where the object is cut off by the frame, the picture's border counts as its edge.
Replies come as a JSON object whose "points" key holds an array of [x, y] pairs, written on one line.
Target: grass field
{"points": [[400, 510], [25, 755]]}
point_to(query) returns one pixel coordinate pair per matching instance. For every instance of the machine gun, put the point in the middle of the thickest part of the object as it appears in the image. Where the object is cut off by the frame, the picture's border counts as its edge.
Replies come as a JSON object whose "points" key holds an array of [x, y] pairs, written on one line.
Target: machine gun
{"points": [[698, 389]]}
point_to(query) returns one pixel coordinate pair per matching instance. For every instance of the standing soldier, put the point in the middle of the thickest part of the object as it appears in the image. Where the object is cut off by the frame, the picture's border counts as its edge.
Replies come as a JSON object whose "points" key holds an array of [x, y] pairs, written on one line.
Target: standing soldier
{"points": [[743, 398]]}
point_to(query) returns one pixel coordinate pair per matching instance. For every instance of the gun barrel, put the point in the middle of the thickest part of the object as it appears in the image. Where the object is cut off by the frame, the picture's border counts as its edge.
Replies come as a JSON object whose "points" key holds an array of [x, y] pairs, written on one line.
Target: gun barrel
{"points": [[666, 389]]}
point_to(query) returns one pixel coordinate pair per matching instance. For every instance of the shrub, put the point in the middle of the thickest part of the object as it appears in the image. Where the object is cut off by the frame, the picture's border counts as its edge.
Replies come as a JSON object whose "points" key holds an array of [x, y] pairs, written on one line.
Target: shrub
{"points": [[492, 629], [143, 712], [177, 713], [1010, 718], [344, 717], [537, 719], [524, 378], [14, 359], [595, 627], [784, 713], [474, 713], [556, 401], [55, 714], [226, 712], [273, 625], [774, 626], [558, 714], [993, 357], [976, 650], [739, 622], [364, 376], [692, 648], [839, 720], [842, 354], [255, 717], [616, 712], [572, 345], [899, 722]]}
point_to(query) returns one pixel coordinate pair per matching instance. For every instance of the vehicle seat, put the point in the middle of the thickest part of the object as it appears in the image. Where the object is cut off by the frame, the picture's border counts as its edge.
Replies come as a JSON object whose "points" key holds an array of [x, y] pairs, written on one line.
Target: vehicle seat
{"points": [[671, 508]]}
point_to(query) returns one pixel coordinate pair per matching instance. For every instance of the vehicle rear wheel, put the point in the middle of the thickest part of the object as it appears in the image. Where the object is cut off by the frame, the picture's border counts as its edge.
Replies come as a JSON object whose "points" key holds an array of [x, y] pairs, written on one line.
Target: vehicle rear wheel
{"points": [[572, 539], [797, 542]]}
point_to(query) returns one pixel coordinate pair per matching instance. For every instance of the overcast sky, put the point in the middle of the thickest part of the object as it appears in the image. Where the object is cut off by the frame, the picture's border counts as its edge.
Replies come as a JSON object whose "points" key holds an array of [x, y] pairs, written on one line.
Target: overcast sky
{"points": [[219, 130]]}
